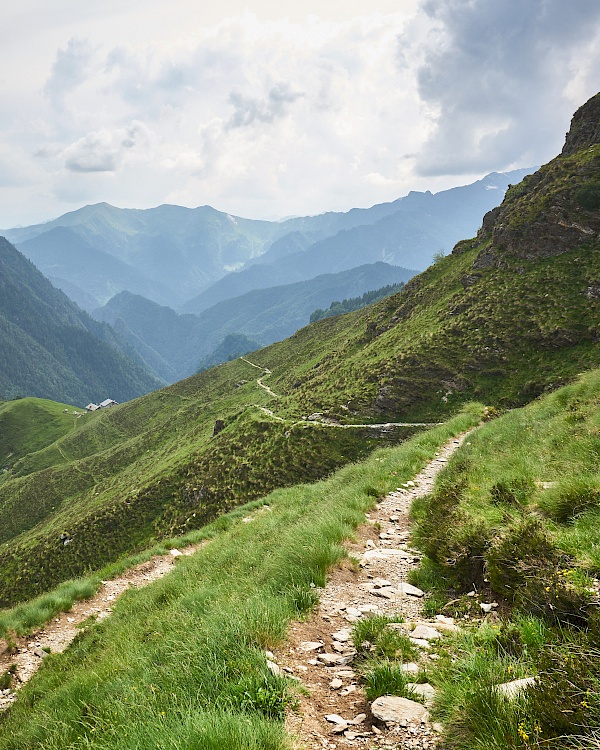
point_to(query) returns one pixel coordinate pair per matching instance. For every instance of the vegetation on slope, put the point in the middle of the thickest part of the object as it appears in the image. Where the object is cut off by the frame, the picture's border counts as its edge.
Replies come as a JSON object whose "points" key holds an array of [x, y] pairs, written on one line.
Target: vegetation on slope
{"points": [[355, 303], [30, 424], [518, 512], [172, 345], [504, 318], [194, 673], [52, 349], [152, 468]]}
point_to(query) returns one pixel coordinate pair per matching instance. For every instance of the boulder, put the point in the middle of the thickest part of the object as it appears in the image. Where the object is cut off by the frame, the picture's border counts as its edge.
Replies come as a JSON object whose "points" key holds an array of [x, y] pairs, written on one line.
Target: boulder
{"points": [[426, 632], [393, 709], [406, 588]]}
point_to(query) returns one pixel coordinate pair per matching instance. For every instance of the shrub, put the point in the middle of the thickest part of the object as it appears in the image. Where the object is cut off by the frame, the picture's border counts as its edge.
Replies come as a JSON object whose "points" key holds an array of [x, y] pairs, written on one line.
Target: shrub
{"points": [[571, 497], [588, 196], [526, 567], [566, 699], [514, 491]]}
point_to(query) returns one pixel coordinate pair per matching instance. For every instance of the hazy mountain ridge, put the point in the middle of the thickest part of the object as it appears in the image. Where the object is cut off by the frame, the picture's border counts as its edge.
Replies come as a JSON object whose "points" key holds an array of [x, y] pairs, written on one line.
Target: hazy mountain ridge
{"points": [[51, 348], [181, 341], [407, 232], [171, 253]]}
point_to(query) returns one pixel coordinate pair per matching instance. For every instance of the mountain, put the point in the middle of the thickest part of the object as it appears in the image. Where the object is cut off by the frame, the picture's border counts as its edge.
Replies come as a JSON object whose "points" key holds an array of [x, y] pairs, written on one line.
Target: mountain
{"points": [[167, 253], [503, 318], [170, 254], [408, 232], [172, 345], [52, 349], [234, 345]]}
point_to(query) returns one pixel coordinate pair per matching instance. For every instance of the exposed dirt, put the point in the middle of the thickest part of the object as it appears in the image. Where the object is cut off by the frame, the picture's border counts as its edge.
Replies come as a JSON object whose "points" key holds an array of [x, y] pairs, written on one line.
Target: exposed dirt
{"points": [[29, 651], [347, 597]]}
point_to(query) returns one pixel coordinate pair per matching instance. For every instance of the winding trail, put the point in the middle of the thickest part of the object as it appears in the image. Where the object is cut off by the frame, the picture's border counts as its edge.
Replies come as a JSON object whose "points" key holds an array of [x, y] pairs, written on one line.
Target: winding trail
{"points": [[266, 373], [57, 634], [315, 645], [323, 421]]}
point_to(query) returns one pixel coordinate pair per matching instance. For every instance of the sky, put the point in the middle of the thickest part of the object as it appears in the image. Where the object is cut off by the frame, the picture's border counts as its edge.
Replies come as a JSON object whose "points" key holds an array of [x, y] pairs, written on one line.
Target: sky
{"points": [[270, 109]]}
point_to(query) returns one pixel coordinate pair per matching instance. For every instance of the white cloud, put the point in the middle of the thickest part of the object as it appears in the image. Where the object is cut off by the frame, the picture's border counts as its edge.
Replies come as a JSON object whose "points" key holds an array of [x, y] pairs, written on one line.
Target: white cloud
{"points": [[105, 150], [498, 77], [70, 69]]}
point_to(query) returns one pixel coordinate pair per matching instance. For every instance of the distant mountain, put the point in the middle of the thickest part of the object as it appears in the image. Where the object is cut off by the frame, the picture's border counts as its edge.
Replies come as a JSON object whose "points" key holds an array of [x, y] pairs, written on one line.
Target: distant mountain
{"points": [[407, 232], [170, 254], [167, 253], [234, 345], [172, 345], [52, 349]]}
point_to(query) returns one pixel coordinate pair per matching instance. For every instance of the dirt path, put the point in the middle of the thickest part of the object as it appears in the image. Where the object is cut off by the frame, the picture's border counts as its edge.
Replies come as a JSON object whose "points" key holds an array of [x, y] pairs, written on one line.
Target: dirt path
{"points": [[266, 373], [59, 632], [315, 645]]}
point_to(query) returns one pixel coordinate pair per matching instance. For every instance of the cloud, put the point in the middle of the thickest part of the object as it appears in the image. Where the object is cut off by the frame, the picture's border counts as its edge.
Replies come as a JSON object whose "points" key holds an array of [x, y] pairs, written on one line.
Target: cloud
{"points": [[70, 69], [104, 150], [248, 110], [496, 78], [296, 114]]}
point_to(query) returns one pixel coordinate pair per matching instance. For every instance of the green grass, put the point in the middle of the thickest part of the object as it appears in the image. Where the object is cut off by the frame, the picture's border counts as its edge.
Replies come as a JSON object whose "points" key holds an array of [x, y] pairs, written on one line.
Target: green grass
{"points": [[28, 425], [194, 672]]}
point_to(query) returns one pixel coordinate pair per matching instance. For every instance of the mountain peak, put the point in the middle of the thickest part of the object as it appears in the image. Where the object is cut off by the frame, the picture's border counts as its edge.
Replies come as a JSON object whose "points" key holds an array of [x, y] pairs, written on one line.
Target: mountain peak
{"points": [[585, 127]]}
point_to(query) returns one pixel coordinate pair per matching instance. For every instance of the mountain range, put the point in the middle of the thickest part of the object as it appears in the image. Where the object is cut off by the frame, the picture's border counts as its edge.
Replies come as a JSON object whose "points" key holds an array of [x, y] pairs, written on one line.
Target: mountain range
{"points": [[171, 254], [172, 345]]}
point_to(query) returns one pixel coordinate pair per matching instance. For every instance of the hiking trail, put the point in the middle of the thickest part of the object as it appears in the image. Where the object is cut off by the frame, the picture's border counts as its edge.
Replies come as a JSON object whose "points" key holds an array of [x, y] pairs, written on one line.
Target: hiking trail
{"points": [[319, 650], [57, 634]]}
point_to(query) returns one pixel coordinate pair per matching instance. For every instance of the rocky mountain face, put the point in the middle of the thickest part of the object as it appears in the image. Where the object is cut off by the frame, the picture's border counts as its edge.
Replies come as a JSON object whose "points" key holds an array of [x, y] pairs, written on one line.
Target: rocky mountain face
{"points": [[554, 209]]}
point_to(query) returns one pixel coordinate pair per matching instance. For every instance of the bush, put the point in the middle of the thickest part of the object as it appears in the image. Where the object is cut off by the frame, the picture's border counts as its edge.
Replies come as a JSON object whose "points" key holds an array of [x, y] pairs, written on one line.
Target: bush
{"points": [[571, 497], [588, 196], [512, 491], [526, 567], [566, 699]]}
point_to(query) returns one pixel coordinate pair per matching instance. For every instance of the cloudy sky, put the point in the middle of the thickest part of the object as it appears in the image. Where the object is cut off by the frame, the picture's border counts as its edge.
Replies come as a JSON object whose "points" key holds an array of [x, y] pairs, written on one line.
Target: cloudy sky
{"points": [[272, 108]]}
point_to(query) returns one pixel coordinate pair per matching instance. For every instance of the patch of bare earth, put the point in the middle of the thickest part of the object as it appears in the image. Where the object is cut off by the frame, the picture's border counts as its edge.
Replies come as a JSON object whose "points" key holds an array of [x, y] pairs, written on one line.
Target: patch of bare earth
{"points": [[25, 657], [319, 650]]}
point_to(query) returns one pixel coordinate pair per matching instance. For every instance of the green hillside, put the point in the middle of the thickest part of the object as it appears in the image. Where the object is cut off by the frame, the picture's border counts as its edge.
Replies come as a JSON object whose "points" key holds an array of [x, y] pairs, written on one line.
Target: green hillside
{"points": [[502, 319], [181, 663], [52, 349], [29, 424], [194, 673]]}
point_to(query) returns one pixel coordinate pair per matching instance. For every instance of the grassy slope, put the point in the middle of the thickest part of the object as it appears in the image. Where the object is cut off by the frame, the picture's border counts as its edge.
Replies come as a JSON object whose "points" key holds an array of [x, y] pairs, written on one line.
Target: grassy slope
{"points": [[519, 506], [28, 425], [539, 464], [151, 468], [194, 673]]}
